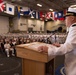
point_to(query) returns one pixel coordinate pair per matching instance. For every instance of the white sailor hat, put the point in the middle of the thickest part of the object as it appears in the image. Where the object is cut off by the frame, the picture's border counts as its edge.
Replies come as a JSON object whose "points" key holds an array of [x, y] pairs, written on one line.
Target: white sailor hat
{"points": [[71, 11]]}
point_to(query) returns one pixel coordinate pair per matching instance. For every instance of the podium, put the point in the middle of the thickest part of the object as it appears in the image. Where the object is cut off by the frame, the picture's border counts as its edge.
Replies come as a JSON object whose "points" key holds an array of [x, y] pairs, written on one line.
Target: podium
{"points": [[34, 62]]}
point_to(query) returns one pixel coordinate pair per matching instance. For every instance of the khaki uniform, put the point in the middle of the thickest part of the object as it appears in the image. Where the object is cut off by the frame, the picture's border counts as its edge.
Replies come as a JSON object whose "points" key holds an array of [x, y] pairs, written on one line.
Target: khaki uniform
{"points": [[69, 49]]}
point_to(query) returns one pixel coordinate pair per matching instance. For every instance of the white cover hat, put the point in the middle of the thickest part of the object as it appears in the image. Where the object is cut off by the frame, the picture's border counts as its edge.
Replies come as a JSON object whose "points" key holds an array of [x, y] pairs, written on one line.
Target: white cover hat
{"points": [[71, 11]]}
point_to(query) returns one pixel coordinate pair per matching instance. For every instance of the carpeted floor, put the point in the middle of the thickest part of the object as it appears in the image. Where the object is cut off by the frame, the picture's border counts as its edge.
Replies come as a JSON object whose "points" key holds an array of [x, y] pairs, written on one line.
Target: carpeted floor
{"points": [[10, 65], [60, 70]]}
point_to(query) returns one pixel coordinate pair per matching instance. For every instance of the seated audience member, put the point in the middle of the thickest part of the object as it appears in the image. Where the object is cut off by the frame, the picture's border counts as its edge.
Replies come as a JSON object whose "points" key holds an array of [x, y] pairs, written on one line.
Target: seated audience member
{"points": [[8, 48], [2, 46]]}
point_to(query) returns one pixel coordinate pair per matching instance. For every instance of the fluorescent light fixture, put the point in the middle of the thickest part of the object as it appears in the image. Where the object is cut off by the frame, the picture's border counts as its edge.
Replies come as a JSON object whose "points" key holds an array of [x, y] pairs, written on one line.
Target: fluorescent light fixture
{"points": [[39, 5], [51, 9]]}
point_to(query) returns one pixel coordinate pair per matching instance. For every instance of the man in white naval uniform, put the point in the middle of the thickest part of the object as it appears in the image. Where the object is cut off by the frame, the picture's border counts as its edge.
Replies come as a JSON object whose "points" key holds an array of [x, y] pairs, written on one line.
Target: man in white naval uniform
{"points": [[69, 47]]}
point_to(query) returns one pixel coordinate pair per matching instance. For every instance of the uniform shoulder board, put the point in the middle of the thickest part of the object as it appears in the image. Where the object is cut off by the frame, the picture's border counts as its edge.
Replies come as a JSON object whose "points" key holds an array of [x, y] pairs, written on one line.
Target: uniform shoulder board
{"points": [[73, 25]]}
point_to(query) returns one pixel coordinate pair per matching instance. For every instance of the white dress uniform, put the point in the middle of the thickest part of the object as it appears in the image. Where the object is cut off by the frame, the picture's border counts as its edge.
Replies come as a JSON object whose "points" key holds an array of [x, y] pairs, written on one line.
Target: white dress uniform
{"points": [[69, 49]]}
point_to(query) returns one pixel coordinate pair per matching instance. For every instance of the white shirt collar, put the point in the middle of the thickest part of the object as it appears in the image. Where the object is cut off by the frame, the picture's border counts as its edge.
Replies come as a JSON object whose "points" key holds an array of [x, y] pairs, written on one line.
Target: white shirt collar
{"points": [[70, 26], [73, 24]]}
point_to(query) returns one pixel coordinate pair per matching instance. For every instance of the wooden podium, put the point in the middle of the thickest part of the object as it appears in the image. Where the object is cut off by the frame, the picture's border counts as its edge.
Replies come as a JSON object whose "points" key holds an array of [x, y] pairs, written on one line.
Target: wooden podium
{"points": [[34, 62]]}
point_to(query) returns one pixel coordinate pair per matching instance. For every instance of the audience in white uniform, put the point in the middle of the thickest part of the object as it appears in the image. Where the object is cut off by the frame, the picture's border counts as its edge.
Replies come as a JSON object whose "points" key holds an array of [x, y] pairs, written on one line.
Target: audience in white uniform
{"points": [[9, 41]]}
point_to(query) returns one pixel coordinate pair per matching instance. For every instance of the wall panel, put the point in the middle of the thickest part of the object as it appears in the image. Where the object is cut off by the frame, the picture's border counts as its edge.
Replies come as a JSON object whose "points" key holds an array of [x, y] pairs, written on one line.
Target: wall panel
{"points": [[4, 24]]}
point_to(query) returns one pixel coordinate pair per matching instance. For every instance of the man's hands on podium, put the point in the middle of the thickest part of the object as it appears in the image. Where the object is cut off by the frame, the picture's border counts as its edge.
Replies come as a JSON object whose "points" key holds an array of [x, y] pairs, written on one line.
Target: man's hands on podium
{"points": [[56, 44], [45, 48]]}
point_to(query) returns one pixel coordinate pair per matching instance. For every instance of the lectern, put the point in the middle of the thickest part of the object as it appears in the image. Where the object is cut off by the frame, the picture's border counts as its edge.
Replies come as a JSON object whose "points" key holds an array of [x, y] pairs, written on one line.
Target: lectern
{"points": [[34, 62]]}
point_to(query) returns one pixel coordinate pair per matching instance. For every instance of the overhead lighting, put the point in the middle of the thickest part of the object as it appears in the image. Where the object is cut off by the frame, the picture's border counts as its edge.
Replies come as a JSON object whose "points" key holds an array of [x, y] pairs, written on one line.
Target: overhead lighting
{"points": [[39, 5], [51, 9]]}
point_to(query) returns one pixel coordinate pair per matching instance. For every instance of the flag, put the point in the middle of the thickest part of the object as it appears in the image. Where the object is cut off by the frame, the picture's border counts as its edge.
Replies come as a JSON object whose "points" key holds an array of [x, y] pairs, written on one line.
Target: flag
{"points": [[10, 9], [2, 5], [42, 15], [1, 1], [59, 15], [37, 15], [18, 10], [32, 13], [25, 10], [48, 15]]}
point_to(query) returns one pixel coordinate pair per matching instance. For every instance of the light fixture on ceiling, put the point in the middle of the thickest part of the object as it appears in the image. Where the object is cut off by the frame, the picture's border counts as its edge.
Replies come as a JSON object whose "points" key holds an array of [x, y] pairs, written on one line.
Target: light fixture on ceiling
{"points": [[51, 9], [39, 5]]}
